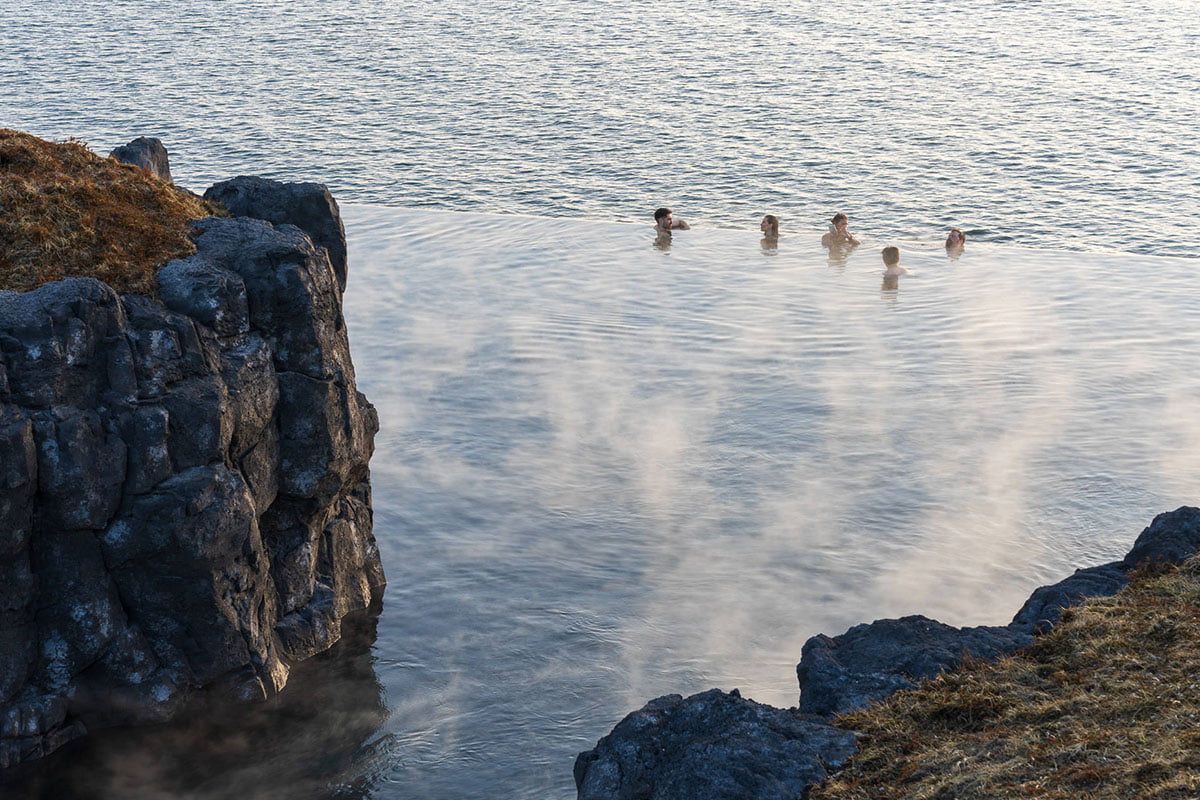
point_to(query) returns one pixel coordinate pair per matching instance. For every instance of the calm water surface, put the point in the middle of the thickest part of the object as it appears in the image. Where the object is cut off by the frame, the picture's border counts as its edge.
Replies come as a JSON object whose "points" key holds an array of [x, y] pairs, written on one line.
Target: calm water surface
{"points": [[610, 470], [1059, 123]]}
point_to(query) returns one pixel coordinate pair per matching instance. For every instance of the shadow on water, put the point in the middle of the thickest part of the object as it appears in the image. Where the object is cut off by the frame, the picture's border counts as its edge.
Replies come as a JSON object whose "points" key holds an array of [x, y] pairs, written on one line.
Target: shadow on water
{"points": [[318, 739]]}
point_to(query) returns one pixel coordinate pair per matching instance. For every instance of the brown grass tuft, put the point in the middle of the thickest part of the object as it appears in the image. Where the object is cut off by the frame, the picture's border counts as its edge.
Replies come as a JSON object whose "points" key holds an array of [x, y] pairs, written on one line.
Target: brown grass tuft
{"points": [[66, 212], [1107, 705]]}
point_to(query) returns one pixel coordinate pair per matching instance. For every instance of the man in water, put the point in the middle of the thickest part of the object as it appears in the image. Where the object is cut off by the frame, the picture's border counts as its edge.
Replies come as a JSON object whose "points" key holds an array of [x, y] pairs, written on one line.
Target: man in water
{"points": [[954, 243], [664, 222]]}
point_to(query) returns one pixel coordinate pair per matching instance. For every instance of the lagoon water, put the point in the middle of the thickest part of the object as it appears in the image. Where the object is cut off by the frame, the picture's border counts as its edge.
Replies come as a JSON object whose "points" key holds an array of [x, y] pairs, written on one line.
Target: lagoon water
{"points": [[615, 471], [610, 470], [1057, 123]]}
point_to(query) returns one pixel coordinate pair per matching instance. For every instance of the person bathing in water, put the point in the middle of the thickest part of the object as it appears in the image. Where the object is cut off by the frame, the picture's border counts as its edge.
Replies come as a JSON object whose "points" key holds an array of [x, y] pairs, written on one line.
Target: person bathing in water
{"points": [[892, 269], [891, 262], [956, 238], [839, 232], [665, 222], [769, 226]]}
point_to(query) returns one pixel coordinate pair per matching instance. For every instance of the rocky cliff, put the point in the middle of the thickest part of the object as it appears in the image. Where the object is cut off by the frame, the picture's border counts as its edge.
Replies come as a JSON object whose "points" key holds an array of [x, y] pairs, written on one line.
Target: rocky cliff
{"points": [[184, 482]]}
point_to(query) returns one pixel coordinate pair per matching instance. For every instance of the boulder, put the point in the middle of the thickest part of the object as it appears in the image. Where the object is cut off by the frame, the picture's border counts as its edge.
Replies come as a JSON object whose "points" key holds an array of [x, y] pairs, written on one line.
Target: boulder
{"points": [[869, 662], [308, 206], [1044, 607], [147, 153], [1171, 538], [713, 745]]}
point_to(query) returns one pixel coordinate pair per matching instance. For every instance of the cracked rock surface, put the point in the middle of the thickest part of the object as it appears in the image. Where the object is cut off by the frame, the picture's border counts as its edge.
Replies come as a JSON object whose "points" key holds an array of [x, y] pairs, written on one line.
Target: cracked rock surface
{"points": [[184, 484]]}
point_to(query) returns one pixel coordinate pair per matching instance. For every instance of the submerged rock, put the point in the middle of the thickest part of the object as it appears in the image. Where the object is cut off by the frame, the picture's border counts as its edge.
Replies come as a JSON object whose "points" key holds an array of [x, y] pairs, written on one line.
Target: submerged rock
{"points": [[711, 745], [184, 486], [147, 153]]}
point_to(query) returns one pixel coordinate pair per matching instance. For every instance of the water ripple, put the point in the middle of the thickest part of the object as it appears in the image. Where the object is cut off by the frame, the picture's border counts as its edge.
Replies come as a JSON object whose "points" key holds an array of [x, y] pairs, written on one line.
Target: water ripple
{"points": [[1076, 134]]}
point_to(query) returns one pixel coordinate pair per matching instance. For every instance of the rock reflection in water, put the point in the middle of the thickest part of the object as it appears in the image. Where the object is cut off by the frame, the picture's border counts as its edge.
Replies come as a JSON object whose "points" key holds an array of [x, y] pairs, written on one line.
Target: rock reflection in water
{"points": [[318, 738]]}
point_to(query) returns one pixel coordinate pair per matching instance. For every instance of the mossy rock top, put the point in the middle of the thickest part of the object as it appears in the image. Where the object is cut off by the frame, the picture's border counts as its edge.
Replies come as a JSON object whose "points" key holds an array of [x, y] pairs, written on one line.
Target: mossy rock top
{"points": [[66, 212]]}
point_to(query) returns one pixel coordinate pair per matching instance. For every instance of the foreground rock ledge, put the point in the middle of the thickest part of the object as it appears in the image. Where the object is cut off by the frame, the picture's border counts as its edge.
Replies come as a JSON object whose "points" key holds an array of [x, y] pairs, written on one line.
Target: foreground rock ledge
{"points": [[184, 484], [723, 747]]}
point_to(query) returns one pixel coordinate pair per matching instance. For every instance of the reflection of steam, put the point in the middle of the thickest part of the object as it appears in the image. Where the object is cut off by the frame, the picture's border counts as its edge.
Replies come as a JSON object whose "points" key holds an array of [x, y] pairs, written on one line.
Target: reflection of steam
{"points": [[1180, 448], [318, 734], [952, 575]]}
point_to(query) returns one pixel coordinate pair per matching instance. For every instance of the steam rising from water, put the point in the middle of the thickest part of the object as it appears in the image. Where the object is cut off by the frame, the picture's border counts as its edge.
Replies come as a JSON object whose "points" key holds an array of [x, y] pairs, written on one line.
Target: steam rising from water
{"points": [[650, 472]]}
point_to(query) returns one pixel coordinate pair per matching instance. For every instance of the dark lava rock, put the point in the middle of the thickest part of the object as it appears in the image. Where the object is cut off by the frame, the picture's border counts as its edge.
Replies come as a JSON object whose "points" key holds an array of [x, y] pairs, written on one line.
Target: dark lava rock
{"points": [[147, 153], [184, 486], [308, 206], [712, 745], [870, 662], [1173, 537], [1044, 607]]}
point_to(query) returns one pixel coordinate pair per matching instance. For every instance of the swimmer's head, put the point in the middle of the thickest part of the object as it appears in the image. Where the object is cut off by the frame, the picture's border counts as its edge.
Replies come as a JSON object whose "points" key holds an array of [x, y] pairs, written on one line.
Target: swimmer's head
{"points": [[891, 256], [770, 225], [956, 237], [839, 221], [661, 214]]}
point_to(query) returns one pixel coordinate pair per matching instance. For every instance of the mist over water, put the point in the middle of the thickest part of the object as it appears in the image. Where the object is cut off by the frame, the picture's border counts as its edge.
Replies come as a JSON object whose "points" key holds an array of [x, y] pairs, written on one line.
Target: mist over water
{"points": [[609, 471], [1066, 124]]}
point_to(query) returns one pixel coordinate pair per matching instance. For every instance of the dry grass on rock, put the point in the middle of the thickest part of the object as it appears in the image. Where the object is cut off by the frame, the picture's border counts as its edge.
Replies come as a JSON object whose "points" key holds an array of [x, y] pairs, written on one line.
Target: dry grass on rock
{"points": [[66, 212], [1105, 706]]}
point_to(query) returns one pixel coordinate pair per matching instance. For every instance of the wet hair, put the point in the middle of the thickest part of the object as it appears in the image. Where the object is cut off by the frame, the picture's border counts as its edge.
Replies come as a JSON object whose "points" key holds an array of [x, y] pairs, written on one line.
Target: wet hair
{"points": [[660, 213], [838, 218], [773, 221], [962, 237], [891, 255]]}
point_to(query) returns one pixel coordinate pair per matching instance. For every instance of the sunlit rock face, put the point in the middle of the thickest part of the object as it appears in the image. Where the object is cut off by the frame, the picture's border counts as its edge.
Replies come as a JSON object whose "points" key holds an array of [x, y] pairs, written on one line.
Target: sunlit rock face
{"points": [[184, 485]]}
